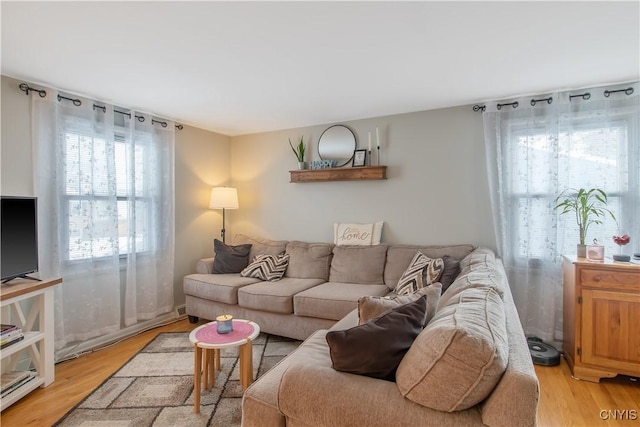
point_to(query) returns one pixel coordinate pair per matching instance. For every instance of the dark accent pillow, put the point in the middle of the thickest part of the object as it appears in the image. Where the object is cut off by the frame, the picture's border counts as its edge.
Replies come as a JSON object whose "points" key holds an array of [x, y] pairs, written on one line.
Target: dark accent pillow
{"points": [[230, 259], [451, 271], [376, 348]]}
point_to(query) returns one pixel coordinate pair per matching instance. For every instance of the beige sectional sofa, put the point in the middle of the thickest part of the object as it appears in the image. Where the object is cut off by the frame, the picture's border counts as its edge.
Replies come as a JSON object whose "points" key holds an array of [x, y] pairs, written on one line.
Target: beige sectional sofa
{"points": [[322, 283], [469, 366]]}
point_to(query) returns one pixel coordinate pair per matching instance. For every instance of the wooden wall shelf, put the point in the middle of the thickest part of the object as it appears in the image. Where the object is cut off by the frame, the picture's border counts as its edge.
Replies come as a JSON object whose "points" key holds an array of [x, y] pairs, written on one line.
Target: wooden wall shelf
{"points": [[339, 174]]}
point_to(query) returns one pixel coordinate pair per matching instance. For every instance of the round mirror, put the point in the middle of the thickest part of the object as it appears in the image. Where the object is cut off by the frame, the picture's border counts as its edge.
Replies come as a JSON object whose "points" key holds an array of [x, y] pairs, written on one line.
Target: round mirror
{"points": [[337, 143]]}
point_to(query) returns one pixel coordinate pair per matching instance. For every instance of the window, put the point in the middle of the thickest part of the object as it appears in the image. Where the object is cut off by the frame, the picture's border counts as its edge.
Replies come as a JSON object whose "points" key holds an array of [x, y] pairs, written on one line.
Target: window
{"points": [[97, 180], [578, 152]]}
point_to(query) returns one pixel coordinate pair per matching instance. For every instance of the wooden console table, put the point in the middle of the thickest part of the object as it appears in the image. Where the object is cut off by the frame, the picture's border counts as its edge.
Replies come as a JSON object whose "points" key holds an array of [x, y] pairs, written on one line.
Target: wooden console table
{"points": [[37, 326], [601, 318]]}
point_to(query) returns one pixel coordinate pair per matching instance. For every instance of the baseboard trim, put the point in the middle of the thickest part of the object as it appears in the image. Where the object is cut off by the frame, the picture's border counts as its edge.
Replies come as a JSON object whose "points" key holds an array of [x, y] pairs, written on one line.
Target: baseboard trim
{"points": [[107, 340]]}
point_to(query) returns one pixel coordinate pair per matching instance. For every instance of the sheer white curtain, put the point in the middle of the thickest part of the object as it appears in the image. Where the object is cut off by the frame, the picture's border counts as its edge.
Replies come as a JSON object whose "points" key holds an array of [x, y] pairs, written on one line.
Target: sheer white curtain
{"points": [[149, 154], [585, 138], [105, 215]]}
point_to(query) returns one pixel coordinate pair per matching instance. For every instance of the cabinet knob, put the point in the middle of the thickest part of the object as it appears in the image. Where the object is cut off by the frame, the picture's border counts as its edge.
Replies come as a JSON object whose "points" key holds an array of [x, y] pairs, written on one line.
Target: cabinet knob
{"points": [[597, 279]]}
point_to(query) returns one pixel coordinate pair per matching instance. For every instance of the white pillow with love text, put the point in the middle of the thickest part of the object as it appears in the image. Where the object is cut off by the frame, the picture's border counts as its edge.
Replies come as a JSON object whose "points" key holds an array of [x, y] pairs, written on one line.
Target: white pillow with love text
{"points": [[357, 234]]}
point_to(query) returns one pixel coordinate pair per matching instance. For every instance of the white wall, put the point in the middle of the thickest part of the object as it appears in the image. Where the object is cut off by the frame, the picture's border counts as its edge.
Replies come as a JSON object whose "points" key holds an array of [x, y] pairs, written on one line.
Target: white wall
{"points": [[201, 161], [436, 191]]}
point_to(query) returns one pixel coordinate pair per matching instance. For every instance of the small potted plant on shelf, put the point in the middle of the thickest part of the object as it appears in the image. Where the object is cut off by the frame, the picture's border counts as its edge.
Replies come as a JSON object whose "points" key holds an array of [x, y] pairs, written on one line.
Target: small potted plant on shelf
{"points": [[299, 151], [589, 207]]}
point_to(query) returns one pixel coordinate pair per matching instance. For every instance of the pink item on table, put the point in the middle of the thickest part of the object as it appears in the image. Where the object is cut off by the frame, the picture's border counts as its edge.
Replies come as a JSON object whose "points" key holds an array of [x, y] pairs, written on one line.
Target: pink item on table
{"points": [[210, 335]]}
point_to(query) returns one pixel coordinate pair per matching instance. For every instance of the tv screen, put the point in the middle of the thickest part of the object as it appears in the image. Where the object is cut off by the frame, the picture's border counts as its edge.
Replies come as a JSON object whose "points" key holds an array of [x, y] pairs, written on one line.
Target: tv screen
{"points": [[19, 235]]}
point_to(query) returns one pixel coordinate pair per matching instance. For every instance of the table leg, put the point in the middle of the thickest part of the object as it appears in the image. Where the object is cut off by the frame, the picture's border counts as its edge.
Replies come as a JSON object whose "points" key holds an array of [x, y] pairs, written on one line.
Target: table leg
{"points": [[197, 372], [246, 365], [211, 366], [205, 368], [218, 365]]}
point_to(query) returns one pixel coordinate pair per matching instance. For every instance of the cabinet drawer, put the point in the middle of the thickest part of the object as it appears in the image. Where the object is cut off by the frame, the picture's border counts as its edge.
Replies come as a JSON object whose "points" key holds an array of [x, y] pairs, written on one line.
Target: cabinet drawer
{"points": [[622, 280]]}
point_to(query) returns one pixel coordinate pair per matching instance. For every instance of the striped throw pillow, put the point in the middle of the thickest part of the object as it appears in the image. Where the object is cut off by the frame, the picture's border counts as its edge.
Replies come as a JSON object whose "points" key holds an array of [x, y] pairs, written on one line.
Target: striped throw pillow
{"points": [[267, 267], [422, 272]]}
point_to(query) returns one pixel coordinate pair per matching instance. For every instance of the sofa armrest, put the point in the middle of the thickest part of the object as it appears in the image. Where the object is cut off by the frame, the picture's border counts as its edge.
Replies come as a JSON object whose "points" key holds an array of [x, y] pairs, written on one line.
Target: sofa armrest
{"points": [[514, 401], [308, 389], [205, 266]]}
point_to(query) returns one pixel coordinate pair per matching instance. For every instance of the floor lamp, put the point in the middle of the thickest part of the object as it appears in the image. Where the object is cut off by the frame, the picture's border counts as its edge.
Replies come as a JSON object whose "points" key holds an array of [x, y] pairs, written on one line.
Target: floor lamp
{"points": [[223, 198]]}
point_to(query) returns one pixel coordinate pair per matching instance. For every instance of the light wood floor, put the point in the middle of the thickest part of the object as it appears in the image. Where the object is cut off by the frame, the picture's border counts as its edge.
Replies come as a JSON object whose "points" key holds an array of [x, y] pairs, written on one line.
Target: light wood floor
{"points": [[563, 400]]}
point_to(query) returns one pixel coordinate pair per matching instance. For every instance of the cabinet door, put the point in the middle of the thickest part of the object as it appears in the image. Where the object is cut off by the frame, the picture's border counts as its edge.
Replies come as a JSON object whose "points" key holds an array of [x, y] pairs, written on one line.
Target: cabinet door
{"points": [[610, 334]]}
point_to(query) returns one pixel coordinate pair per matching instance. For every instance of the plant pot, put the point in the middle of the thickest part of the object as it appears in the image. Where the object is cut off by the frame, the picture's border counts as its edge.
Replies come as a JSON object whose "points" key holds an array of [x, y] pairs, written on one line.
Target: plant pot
{"points": [[302, 165], [582, 251]]}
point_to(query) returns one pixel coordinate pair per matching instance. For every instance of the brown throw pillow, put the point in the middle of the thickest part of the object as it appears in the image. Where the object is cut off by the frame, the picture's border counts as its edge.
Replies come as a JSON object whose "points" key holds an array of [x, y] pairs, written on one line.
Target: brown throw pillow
{"points": [[373, 306], [376, 348], [230, 259], [451, 271]]}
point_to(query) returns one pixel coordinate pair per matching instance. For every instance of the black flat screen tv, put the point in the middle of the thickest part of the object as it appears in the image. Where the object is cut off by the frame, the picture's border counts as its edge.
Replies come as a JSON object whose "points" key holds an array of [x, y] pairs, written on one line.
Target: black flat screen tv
{"points": [[19, 235]]}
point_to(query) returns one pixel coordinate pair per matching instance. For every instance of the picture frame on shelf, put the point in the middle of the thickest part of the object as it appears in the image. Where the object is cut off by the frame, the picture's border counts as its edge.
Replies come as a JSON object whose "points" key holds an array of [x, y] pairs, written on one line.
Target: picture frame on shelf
{"points": [[359, 158]]}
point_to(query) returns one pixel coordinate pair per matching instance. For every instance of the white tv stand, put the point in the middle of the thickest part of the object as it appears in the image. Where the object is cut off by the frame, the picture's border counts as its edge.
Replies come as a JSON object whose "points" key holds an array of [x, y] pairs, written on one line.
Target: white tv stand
{"points": [[37, 327]]}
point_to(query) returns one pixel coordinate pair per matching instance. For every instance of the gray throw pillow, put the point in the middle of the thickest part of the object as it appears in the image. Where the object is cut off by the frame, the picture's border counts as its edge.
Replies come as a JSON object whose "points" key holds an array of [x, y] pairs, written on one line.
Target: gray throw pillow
{"points": [[230, 259], [451, 271], [376, 348]]}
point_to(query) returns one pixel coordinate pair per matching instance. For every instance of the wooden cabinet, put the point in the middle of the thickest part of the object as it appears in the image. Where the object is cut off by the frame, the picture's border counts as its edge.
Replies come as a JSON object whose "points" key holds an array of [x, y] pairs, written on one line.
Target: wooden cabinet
{"points": [[37, 325], [601, 318]]}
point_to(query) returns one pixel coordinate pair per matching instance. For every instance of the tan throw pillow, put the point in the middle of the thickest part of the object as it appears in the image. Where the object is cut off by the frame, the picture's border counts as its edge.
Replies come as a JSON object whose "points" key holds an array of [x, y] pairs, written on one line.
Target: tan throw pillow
{"points": [[372, 306], [422, 271], [267, 267], [458, 359]]}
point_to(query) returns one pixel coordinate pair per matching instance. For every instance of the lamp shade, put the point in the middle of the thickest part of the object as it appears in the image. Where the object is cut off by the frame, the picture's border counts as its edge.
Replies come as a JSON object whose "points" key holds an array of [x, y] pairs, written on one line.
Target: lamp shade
{"points": [[223, 198]]}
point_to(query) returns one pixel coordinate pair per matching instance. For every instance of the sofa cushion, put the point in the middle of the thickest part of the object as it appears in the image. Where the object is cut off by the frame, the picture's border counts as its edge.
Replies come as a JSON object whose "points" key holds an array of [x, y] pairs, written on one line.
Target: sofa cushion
{"points": [[376, 347], [421, 272], [274, 297], [216, 287], [357, 234], [480, 257], [261, 246], [460, 356], [230, 259], [399, 256], [370, 306], [451, 271], [333, 300], [358, 264], [484, 271], [267, 267], [309, 260]]}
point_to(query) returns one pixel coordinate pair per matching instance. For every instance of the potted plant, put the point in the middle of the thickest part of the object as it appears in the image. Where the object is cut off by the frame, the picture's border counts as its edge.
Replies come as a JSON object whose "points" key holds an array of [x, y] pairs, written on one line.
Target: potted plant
{"points": [[299, 151], [589, 207]]}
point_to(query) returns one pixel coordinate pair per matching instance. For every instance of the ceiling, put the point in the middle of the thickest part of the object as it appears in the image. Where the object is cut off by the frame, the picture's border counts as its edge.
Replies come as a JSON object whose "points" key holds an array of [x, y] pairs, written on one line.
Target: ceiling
{"points": [[246, 67]]}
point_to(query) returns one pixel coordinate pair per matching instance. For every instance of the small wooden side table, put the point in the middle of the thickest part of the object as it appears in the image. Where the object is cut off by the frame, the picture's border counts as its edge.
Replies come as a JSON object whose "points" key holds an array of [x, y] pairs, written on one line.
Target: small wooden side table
{"points": [[207, 343]]}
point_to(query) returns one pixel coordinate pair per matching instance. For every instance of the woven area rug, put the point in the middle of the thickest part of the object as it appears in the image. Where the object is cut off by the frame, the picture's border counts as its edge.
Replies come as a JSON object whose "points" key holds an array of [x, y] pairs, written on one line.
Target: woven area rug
{"points": [[155, 387]]}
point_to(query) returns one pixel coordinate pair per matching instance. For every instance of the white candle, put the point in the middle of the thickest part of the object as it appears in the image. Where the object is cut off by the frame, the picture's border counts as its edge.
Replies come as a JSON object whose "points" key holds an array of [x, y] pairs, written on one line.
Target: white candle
{"points": [[377, 137], [369, 141]]}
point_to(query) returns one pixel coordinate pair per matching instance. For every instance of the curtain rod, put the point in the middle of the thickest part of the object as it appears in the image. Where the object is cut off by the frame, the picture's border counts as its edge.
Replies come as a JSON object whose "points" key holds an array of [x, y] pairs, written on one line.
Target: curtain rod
{"points": [[585, 96], [77, 102]]}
